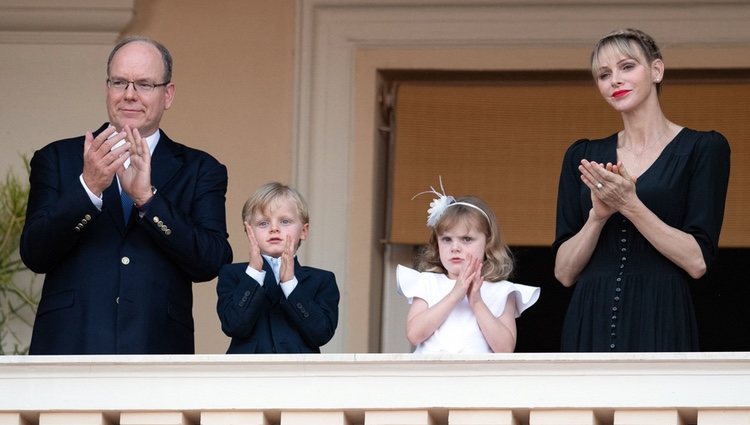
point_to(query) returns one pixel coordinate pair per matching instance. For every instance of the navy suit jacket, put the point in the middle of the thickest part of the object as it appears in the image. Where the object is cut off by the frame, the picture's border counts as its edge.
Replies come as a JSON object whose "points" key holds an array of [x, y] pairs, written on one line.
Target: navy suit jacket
{"points": [[111, 288], [260, 319]]}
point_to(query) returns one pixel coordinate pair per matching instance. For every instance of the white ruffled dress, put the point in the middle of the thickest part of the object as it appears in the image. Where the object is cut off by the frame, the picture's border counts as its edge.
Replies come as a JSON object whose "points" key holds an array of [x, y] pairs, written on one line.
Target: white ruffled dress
{"points": [[460, 332]]}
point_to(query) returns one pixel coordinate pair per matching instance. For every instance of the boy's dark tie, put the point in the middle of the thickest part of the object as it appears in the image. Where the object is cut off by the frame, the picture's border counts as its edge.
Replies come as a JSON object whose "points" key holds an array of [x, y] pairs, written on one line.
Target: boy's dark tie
{"points": [[271, 285]]}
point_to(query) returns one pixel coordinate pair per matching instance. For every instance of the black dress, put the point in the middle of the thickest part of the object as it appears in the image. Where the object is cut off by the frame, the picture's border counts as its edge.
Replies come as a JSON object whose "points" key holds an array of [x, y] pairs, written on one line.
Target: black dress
{"points": [[629, 297]]}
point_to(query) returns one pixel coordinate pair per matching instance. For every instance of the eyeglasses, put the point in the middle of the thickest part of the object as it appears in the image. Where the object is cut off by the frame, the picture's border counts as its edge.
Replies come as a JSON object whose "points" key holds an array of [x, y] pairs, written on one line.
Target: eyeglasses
{"points": [[139, 86]]}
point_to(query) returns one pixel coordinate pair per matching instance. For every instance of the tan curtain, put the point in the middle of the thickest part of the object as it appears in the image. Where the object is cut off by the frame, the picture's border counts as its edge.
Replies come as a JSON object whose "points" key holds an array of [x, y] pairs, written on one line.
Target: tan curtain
{"points": [[504, 142]]}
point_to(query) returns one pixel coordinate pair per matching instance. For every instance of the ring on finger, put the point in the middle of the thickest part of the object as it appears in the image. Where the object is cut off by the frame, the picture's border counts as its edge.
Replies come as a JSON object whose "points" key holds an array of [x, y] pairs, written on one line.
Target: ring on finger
{"points": [[599, 185]]}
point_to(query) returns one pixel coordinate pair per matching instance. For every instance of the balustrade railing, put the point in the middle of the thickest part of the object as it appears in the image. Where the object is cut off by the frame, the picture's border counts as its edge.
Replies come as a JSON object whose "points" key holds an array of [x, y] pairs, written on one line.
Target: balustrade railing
{"points": [[377, 389]]}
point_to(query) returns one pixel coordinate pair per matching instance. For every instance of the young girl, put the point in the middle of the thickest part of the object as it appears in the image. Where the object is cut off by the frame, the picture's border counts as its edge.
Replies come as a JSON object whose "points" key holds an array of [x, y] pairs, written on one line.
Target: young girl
{"points": [[460, 300]]}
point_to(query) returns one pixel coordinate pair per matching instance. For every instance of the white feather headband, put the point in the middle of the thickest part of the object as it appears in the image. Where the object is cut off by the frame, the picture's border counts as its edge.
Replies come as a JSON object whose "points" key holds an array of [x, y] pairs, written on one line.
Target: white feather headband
{"points": [[441, 203]]}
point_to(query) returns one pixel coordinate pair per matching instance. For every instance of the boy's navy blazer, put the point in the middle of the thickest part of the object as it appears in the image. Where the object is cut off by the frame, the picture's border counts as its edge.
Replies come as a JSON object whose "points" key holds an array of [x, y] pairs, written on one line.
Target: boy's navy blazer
{"points": [[111, 288], [260, 319]]}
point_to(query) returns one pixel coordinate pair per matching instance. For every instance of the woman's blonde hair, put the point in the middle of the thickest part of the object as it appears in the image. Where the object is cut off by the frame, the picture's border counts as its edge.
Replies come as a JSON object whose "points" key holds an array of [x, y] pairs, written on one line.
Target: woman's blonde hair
{"points": [[498, 260], [630, 42]]}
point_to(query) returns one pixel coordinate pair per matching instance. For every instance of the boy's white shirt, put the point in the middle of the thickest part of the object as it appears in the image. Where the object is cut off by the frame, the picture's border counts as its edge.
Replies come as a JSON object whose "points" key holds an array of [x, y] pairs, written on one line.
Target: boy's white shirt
{"points": [[260, 275]]}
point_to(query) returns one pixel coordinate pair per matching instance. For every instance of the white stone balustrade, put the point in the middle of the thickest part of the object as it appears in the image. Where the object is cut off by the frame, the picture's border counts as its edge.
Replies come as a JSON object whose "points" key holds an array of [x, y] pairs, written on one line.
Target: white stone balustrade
{"points": [[377, 389]]}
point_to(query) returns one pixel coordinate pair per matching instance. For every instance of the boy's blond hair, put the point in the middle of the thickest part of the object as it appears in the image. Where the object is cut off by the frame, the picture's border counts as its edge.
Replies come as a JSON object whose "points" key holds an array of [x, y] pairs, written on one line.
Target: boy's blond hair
{"points": [[262, 199]]}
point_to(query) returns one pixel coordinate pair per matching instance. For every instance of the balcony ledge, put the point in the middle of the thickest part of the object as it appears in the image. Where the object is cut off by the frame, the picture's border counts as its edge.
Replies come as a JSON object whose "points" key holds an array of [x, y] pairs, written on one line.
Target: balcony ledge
{"points": [[375, 381]]}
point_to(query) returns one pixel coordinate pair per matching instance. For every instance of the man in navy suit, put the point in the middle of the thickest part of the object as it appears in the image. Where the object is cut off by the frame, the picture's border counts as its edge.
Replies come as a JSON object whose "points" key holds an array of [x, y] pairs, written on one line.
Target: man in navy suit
{"points": [[272, 304], [122, 221]]}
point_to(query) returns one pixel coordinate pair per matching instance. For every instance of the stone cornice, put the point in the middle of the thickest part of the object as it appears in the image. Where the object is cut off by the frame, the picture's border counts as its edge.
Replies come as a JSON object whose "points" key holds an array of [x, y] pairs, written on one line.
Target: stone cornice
{"points": [[693, 381], [63, 21]]}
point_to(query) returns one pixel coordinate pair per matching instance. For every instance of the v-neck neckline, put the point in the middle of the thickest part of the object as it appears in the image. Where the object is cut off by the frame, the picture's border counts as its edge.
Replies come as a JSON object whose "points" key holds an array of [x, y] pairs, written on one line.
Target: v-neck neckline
{"points": [[658, 159]]}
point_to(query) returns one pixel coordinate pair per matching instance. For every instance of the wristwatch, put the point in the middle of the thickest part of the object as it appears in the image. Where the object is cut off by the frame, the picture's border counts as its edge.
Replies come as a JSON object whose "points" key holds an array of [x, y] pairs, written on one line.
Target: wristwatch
{"points": [[147, 203]]}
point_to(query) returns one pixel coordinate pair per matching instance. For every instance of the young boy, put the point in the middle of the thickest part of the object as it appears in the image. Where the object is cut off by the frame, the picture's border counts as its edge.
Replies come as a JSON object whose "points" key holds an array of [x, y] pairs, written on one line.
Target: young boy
{"points": [[272, 304]]}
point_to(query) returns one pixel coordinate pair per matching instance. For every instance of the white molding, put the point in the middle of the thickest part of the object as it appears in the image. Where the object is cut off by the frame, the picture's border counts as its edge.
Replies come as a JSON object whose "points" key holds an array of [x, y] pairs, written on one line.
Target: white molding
{"points": [[63, 21], [375, 381]]}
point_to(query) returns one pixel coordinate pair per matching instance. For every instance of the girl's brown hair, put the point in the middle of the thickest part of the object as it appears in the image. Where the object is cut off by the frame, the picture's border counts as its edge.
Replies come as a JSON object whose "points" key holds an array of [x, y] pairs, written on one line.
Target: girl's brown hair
{"points": [[498, 260]]}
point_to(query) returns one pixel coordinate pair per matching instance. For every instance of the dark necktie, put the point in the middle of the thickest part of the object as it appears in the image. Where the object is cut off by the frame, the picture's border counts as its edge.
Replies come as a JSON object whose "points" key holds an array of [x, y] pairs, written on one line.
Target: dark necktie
{"points": [[127, 206], [271, 285]]}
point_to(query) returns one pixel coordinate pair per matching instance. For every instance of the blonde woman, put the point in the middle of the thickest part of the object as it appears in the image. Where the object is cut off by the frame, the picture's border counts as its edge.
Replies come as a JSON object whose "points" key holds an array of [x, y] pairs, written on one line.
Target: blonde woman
{"points": [[638, 213]]}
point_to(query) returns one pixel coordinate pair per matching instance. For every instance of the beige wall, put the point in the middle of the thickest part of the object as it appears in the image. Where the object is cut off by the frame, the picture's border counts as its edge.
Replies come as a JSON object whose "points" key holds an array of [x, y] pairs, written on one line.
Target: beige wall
{"points": [[234, 68]]}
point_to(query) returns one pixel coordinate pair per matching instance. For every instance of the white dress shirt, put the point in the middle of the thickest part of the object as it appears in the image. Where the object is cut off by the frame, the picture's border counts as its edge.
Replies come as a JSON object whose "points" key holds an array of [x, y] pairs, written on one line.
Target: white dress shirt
{"points": [[260, 275]]}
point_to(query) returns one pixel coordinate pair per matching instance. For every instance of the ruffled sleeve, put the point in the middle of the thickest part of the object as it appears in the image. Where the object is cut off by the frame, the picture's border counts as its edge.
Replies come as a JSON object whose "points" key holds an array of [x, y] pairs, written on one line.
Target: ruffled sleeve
{"points": [[412, 283], [526, 296], [496, 294]]}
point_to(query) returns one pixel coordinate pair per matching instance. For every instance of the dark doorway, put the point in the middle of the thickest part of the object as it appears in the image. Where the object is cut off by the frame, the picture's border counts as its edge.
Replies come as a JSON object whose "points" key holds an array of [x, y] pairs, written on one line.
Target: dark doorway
{"points": [[720, 300]]}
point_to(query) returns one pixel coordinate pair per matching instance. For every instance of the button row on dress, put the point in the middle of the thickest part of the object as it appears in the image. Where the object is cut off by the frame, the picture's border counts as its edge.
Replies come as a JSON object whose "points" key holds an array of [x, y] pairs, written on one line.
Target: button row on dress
{"points": [[618, 289]]}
